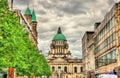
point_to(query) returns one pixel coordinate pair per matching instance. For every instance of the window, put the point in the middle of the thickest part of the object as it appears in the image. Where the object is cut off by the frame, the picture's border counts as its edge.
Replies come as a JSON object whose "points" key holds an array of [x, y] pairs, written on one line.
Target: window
{"points": [[81, 69], [59, 67], [110, 39], [119, 40], [106, 59], [66, 76], [76, 76], [106, 28], [105, 43], [113, 36], [75, 69], [114, 56], [100, 62], [53, 68], [65, 69], [96, 63], [112, 22]]}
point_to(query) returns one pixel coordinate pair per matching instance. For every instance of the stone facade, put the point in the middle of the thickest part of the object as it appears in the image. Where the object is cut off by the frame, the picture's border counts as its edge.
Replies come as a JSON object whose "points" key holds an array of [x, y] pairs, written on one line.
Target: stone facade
{"points": [[32, 25], [62, 64], [28, 20], [106, 43], [88, 53]]}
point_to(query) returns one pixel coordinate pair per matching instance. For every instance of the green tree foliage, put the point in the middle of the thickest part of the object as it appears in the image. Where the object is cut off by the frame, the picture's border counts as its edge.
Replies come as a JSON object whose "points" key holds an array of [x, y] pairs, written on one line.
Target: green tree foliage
{"points": [[16, 50]]}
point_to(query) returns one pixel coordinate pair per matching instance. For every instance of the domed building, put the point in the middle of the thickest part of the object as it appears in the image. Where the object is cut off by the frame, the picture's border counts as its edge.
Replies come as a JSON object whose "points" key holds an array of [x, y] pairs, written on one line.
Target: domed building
{"points": [[62, 64]]}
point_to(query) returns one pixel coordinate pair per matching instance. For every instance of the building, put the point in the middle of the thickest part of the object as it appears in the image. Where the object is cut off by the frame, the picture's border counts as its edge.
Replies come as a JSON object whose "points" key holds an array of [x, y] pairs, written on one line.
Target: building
{"points": [[88, 54], [107, 36], [28, 19], [31, 19], [62, 64], [106, 44]]}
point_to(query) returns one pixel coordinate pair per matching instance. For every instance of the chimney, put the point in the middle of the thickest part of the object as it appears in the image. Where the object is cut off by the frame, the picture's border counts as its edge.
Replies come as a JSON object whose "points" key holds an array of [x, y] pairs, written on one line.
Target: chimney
{"points": [[96, 25]]}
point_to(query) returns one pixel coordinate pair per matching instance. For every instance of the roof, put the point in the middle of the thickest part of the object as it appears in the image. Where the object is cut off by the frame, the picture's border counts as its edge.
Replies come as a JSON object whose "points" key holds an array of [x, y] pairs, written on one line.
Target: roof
{"points": [[27, 11], [59, 35], [64, 59], [33, 16]]}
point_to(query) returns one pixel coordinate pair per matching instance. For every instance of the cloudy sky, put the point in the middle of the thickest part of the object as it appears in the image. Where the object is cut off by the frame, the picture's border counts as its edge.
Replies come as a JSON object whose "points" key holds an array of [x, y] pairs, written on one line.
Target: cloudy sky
{"points": [[73, 16]]}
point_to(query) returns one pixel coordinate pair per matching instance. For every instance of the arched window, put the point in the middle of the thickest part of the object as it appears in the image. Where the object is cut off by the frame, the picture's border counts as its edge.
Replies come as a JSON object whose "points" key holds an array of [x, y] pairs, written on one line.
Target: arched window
{"points": [[81, 69], [75, 69], [76, 76], [66, 76], [53, 68], [59, 70], [59, 67], [65, 69]]}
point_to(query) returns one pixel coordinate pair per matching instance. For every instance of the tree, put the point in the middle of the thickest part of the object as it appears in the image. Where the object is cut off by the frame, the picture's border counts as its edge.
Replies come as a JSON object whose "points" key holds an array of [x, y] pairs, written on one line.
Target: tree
{"points": [[16, 50]]}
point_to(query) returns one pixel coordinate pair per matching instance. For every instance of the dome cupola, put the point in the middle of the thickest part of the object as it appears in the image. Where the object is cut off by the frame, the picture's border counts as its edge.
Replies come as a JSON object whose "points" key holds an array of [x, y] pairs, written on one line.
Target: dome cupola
{"points": [[59, 36]]}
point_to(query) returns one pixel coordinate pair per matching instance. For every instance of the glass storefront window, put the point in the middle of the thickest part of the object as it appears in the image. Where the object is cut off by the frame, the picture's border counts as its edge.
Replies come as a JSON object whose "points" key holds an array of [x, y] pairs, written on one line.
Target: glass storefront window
{"points": [[106, 59], [114, 56], [103, 61], [109, 58]]}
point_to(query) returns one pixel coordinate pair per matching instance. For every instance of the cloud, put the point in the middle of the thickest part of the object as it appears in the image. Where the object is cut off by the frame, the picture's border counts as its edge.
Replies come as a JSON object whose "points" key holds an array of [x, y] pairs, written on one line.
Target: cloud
{"points": [[73, 16]]}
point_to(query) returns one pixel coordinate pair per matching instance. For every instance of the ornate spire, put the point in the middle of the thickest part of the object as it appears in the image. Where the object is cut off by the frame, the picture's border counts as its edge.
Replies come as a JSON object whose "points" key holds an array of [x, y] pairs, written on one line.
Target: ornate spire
{"points": [[59, 30], [28, 11], [33, 16]]}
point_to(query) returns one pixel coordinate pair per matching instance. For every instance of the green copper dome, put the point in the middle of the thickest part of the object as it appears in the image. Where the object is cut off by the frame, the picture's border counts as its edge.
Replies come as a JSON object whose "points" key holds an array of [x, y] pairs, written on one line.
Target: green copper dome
{"points": [[33, 16], [28, 12], [59, 36]]}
